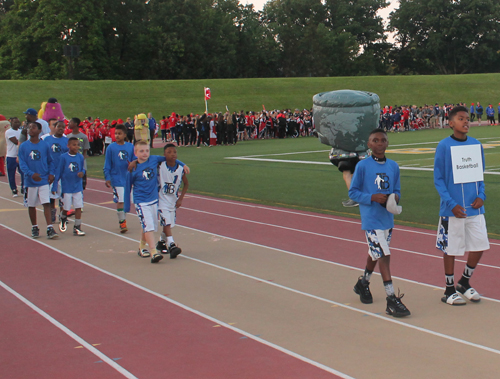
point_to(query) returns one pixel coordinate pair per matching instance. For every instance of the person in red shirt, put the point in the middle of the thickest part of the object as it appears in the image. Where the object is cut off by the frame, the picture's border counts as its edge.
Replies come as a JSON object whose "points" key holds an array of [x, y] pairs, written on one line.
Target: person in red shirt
{"points": [[163, 128]]}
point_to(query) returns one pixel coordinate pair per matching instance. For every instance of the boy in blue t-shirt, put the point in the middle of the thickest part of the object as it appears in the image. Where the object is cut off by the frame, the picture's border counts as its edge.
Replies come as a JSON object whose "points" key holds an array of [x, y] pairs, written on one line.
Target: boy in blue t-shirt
{"points": [[58, 145], [376, 187], [143, 181], [37, 167], [118, 156], [71, 172], [462, 226]]}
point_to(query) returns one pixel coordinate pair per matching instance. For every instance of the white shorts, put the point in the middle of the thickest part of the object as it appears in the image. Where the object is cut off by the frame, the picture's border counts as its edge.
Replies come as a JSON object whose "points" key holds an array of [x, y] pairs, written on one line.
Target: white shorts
{"points": [[58, 194], [148, 216], [72, 199], [37, 195], [118, 194], [455, 236], [378, 243], [166, 217]]}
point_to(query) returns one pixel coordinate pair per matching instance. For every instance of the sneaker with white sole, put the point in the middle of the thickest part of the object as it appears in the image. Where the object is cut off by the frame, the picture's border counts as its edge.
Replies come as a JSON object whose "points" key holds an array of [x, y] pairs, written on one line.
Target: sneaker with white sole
{"points": [[470, 293], [453, 299], [395, 307], [35, 232], [174, 250], [63, 224], [143, 253], [51, 233], [162, 247], [350, 203], [77, 231], [363, 290], [14, 193], [155, 258]]}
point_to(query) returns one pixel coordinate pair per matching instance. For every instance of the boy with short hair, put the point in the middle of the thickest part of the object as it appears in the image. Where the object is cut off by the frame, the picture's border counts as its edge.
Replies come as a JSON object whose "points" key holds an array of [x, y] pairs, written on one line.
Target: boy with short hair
{"points": [[171, 175], [12, 138], [58, 145], [38, 167], [71, 172], [143, 182], [462, 226], [118, 156], [74, 125], [376, 187]]}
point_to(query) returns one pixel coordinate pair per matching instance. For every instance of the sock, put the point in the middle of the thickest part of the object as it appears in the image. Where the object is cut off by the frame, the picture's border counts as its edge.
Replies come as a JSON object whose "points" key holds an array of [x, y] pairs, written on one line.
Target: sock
{"points": [[142, 245], [366, 276], [121, 214], [50, 226], [450, 285], [78, 222], [464, 280], [153, 252], [170, 240], [163, 237], [389, 289], [34, 226]]}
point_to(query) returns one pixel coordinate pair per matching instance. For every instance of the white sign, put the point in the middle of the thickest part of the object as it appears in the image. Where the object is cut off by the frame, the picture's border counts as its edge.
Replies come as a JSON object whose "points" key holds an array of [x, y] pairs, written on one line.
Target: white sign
{"points": [[467, 164]]}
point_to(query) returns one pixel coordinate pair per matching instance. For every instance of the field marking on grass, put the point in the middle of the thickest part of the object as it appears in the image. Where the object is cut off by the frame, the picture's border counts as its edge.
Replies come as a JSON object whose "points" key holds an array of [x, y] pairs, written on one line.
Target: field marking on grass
{"points": [[273, 284]]}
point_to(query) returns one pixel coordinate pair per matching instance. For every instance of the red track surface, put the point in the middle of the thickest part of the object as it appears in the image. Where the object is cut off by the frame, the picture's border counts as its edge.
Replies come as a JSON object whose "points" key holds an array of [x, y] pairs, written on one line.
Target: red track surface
{"points": [[149, 336]]}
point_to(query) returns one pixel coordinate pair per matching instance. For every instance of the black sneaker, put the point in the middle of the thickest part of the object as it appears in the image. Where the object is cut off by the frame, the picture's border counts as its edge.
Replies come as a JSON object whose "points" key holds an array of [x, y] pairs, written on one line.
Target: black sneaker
{"points": [[77, 231], [35, 232], [22, 190], [395, 307], [174, 250], [363, 290], [51, 233], [155, 258], [14, 193], [63, 224], [162, 247]]}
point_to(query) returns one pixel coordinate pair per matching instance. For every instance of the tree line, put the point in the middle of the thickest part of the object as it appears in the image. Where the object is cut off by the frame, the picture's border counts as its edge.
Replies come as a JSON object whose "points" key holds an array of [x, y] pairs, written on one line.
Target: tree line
{"points": [[193, 39]]}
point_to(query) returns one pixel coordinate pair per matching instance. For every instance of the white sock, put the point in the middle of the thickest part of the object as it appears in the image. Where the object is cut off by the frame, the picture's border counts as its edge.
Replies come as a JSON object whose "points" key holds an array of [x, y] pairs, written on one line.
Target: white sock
{"points": [[163, 237], [170, 240]]}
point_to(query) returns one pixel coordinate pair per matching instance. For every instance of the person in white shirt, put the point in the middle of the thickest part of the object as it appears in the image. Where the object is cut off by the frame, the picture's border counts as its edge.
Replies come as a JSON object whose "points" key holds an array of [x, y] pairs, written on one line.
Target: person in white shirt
{"points": [[12, 138]]}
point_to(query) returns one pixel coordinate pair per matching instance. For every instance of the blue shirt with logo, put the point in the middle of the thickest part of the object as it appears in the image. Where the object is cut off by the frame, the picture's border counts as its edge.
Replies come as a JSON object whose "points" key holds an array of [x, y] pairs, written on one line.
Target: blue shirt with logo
{"points": [[35, 158], [67, 171], [116, 163]]}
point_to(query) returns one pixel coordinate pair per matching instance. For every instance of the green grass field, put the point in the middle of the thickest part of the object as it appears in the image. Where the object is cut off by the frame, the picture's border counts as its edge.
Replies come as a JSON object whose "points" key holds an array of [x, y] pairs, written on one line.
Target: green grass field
{"points": [[119, 99], [316, 185]]}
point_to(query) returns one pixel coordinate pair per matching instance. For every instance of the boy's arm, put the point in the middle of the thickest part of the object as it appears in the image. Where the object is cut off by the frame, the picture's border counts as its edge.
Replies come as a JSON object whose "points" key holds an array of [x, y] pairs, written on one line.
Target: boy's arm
{"points": [[107, 167], [397, 183], [356, 190], [439, 177], [127, 190], [186, 167], [58, 174], [22, 162], [52, 166], [481, 193], [185, 186]]}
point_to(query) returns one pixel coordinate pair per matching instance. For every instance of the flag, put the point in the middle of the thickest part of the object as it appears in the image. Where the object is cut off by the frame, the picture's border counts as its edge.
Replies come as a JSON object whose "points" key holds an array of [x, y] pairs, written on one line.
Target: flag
{"points": [[207, 93]]}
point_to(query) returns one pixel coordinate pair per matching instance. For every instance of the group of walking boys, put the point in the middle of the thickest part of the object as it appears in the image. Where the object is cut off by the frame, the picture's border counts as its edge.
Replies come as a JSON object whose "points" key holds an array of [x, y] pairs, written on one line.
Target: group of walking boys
{"points": [[375, 185], [53, 167]]}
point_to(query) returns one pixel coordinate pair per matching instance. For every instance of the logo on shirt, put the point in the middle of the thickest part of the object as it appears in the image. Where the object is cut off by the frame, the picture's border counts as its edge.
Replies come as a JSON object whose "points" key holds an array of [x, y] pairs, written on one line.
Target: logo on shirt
{"points": [[56, 148], [382, 181], [168, 188], [35, 155], [123, 155], [148, 174], [73, 167]]}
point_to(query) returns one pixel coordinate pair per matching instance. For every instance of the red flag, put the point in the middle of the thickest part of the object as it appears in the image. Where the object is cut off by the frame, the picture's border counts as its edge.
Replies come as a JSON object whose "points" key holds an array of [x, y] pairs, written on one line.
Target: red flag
{"points": [[207, 93]]}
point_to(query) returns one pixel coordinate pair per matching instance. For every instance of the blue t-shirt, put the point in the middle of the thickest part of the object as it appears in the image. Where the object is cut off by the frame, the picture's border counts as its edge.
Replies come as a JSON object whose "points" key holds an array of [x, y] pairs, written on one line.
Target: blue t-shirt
{"points": [[371, 177], [67, 171], [452, 194], [57, 147], [35, 158], [116, 163]]}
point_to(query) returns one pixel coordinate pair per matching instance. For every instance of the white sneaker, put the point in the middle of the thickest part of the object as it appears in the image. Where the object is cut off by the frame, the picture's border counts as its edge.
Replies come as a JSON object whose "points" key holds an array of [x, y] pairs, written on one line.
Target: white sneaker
{"points": [[454, 299], [470, 293]]}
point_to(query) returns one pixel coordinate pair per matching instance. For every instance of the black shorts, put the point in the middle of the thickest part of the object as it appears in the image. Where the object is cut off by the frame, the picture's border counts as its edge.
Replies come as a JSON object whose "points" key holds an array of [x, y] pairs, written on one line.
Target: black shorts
{"points": [[346, 164]]}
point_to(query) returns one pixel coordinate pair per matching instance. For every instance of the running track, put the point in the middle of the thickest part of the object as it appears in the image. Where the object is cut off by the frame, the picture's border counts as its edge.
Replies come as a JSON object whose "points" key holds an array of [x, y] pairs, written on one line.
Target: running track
{"points": [[140, 341]]}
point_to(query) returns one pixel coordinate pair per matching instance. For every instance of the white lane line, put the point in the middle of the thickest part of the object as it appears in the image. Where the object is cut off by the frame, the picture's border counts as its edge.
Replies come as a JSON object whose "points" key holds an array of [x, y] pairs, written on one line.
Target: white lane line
{"points": [[273, 284], [189, 309], [329, 218], [63, 328], [384, 318]]}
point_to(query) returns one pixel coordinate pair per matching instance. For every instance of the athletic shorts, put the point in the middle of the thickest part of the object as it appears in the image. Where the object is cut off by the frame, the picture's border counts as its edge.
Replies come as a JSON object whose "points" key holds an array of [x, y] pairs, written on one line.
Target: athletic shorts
{"points": [[58, 194], [148, 216], [34, 196], [346, 164], [455, 236], [118, 194], [378, 243], [166, 217], [72, 199]]}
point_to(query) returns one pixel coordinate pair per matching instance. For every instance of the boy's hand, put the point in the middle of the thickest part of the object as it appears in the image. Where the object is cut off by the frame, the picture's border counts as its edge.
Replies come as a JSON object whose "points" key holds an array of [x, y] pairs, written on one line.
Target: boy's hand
{"points": [[80, 174], [186, 169], [132, 166], [379, 198], [108, 183], [478, 203], [459, 211], [178, 203], [51, 179], [53, 193], [36, 177]]}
